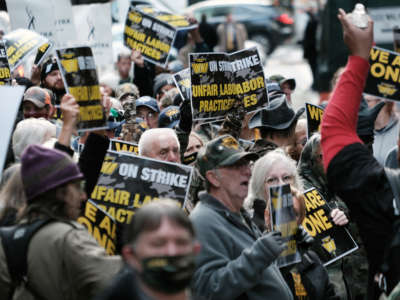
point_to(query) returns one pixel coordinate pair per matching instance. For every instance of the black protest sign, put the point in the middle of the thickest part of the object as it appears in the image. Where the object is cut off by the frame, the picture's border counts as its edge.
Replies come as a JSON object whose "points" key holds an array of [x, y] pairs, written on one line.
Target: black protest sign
{"points": [[182, 82], [5, 72], [314, 118], [127, 182], [384, 74], [100, 225], [80, 80], [396, 39], [283, 219], [20, 43], [220, 79], [118, 145], [177, 21], [147, 34], [331, 241], [42, 52]]}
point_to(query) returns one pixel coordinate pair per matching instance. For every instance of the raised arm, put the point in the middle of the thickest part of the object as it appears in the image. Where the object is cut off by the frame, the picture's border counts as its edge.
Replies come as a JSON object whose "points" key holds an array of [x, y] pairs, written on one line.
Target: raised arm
{"points": [[340, 118]]}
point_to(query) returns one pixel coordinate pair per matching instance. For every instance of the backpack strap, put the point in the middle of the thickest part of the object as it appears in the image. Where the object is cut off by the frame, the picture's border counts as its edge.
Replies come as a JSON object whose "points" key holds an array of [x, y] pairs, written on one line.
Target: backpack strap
{"points": [[15, 240]]}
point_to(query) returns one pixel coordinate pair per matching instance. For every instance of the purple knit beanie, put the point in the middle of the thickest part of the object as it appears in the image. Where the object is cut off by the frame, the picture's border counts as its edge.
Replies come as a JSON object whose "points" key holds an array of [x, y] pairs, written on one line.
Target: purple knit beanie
{"points": [[43, 169]]}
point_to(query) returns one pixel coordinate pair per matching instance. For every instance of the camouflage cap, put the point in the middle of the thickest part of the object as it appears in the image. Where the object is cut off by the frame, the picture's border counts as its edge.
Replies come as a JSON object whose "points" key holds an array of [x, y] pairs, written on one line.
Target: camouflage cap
{"points": [[221, 152], [127, 89]]}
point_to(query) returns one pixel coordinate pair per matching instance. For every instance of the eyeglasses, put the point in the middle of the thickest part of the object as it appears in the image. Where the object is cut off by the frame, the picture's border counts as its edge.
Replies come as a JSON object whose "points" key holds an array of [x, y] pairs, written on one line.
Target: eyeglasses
{"points": [[149, 115], [276, 180]]}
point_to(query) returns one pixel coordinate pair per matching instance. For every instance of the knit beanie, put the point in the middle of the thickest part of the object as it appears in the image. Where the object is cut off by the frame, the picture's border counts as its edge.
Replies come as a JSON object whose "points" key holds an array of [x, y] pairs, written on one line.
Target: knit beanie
{"points": [[43, 169], [160, 81], [48, 66]]}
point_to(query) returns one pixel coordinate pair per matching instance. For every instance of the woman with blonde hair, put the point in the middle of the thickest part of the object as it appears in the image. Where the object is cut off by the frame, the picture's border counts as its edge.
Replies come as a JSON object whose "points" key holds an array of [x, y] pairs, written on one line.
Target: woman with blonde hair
{"points": [[274, 168]]}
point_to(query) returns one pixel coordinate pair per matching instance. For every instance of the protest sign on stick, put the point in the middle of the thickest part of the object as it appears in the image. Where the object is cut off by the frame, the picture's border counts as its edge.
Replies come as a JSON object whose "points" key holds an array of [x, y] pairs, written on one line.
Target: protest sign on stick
{"points": [[220, 79], [182, 82], [384, 74], [51, 19], [283, 219], [20, 44], [42, 52], [127, 182], [93, 27], [332, 242], [119, 145], [79, 74], [152, 32], [314, 115]]}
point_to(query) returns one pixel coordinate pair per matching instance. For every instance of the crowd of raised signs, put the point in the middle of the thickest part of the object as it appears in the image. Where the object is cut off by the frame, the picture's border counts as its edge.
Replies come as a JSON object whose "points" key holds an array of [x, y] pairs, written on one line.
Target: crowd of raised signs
{"points": [[193, 177]]}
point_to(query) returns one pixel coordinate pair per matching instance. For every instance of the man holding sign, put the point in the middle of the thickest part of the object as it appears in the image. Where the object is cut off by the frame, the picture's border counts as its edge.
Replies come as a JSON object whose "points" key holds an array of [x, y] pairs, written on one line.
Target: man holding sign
{"points": [[236, 259]]}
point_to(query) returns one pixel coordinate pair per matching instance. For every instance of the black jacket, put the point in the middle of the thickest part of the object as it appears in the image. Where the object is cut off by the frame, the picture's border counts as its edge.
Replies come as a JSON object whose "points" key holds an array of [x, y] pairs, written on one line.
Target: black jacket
{"points": [[356, 177]]}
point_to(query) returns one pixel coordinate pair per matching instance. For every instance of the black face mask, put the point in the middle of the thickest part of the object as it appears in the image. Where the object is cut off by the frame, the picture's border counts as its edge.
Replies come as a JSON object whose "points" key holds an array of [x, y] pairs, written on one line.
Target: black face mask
{"points": [[168, 274]]}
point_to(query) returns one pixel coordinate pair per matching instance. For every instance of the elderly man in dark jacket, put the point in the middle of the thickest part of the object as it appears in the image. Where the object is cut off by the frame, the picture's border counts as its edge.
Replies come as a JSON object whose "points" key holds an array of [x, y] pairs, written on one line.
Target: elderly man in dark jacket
{"points": [[236, 261]]}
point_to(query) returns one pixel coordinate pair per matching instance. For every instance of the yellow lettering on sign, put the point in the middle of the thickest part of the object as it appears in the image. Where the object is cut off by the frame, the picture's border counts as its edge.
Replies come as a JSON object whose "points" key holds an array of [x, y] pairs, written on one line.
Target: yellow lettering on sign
{"points": [[112, 195], [91, 113], [90, 211], [250, 100], [139, 36], [135, 17], [126, 147], [315, 112], [374, 53], [85, 93], [4, 73], [396, 61], [215, 105], [316, 223], [139, 202], [108, 167], [384, 57], [144, 49], [70, 65], [200, 67], [121, 215]]}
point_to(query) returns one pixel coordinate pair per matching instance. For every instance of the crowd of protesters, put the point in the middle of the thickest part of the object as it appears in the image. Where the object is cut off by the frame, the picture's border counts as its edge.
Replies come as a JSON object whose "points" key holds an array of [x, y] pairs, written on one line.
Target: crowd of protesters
{"points": [[221, 245]]}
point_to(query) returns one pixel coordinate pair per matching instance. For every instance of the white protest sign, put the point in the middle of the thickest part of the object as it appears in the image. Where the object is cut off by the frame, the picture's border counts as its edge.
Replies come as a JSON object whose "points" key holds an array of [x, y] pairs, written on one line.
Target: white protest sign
{"points": [[35, 15], [11, 99], [51, 18], [93, 27], [64, 23]]}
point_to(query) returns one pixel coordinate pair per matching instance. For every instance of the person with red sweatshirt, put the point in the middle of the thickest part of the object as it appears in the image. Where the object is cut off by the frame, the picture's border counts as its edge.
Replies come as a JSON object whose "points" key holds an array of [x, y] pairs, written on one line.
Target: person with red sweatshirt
{"points": [[352, 171]]}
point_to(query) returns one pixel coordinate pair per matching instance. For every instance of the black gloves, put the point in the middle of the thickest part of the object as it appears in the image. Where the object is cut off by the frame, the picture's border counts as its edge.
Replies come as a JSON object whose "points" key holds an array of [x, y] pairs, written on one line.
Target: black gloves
{"points": [[274, 241]]}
